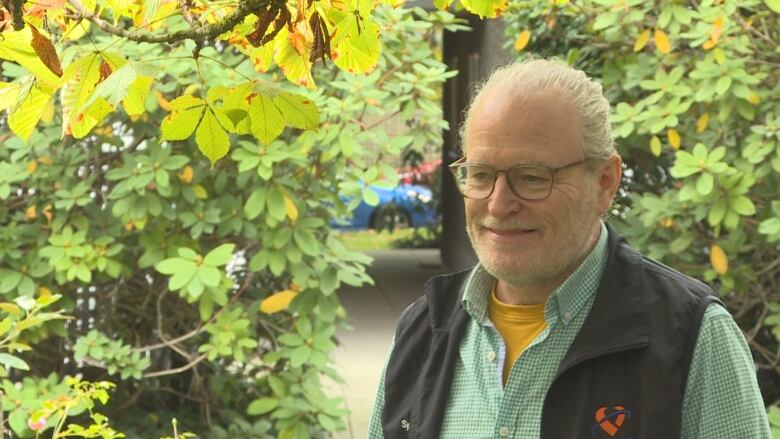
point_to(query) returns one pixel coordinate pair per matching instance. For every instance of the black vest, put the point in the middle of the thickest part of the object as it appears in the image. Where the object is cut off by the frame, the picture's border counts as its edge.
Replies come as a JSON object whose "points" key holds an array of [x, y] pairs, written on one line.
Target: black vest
{"points": [[623, 377]]}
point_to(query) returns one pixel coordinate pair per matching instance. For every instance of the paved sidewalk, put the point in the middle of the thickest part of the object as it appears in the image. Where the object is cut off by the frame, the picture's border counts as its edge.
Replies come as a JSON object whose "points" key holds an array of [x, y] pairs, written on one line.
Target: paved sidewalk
{"points": [[372, 311]]}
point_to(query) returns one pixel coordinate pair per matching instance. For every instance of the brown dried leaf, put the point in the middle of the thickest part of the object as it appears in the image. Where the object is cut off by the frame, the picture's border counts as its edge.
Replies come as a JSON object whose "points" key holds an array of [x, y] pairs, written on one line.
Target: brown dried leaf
{"points": [[46, 51], [264, 19], [105, 70]]}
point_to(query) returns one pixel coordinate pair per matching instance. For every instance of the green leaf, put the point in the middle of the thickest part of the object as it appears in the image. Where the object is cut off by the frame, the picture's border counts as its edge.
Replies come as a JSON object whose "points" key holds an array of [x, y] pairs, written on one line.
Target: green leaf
{"points": [[298, 110], [326, 422], [179, 125], [360, 52], [299, 356], [262, 406], [306, 241], [9, 360], [705, 183], [187, 253], [255, 203], [742, 205], [27, 112], [80, 77], [9, 281], [209, 275], [5, 325], [717, 213], [774, 5], [265, 118], [275, 203], [211, 138], [17, 419], [186, 101], [115, 88], [370, 197], [135, 100], [220, 255], [171, 266]]}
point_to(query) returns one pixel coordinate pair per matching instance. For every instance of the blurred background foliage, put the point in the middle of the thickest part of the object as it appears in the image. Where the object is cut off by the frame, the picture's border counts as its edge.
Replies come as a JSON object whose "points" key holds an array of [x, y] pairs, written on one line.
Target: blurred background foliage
{"points": [[204, 289]]}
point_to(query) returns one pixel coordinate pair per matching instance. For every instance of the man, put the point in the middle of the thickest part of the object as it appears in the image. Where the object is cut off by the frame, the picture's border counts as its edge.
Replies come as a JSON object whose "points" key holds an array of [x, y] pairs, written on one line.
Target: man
{"points": [[562, 330]]}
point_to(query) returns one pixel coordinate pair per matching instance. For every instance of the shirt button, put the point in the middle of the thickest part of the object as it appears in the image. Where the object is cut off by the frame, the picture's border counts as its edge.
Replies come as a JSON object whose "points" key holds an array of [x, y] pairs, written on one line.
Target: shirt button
{"points": [[567, 316], [503, 432], [491, 356]]}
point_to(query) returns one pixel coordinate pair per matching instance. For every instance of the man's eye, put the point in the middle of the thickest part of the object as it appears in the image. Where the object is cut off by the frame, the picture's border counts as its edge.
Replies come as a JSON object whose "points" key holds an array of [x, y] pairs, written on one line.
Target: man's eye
{"points": [[533, 179], [481, 176]]}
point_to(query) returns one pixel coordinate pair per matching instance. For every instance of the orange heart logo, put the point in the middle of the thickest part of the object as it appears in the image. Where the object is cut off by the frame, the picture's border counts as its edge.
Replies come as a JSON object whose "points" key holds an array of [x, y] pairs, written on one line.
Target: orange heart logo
{"points": [[611, 423]]}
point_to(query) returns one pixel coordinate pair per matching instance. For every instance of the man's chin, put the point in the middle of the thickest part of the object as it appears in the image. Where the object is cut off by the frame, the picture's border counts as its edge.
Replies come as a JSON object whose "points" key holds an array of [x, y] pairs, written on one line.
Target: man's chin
{"points": [[510, 267]]}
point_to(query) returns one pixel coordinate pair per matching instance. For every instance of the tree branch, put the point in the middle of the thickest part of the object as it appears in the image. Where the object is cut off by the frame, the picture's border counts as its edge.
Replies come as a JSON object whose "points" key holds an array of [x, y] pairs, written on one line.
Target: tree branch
{"points": [[187, 366], [197, 34]]}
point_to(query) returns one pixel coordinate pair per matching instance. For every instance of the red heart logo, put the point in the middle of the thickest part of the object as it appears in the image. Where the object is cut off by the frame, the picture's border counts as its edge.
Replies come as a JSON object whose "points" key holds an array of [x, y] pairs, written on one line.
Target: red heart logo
{"points": [[610, 423]]}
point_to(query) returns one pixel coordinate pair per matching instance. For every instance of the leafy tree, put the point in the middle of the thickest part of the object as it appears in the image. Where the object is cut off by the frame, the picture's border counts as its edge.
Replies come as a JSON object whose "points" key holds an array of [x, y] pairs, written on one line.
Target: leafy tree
{"points": [[697, 118], [204, 288]]}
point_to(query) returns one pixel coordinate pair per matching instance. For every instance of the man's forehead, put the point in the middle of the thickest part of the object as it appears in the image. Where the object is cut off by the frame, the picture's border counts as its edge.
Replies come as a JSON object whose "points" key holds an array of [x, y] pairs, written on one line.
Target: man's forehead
{"points": [[533, 105], [538, 120]]}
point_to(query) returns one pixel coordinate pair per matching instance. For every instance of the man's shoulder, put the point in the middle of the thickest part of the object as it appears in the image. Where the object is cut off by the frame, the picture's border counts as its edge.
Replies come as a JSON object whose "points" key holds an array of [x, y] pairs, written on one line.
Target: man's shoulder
{"points": [[658, 274], [442, 298]]}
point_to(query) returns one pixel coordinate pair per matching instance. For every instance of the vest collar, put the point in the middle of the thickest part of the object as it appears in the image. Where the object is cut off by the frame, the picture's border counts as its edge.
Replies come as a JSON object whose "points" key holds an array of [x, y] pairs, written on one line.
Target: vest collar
{"points": [[618, 319]]}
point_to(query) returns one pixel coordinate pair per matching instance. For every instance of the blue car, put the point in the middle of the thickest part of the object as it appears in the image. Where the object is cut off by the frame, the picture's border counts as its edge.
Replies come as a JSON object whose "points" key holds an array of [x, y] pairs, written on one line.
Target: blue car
{"points": [[406, 205]]}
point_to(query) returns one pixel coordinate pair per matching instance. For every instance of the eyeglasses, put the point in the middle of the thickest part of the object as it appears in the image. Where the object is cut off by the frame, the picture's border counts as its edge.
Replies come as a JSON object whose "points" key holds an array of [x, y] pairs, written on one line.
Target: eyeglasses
{"points": [[529, 182]]}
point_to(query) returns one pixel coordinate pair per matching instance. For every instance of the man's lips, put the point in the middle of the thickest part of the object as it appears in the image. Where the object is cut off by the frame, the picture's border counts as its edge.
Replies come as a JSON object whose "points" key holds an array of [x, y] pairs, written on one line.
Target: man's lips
{"points": [[509, 232]]}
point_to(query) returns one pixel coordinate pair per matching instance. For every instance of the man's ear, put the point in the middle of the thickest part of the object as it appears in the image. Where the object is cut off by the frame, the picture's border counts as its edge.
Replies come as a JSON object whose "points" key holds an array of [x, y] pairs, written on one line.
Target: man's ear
{"points": [[609, 174]]}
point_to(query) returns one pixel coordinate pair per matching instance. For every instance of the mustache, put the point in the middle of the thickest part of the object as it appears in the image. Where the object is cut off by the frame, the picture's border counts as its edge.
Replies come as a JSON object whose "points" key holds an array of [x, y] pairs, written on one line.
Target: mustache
{"points": [[511, 223]]}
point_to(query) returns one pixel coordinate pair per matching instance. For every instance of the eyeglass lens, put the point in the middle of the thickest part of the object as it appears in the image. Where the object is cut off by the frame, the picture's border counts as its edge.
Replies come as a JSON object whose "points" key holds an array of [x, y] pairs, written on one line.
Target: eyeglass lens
{"points": [[525, 181]]}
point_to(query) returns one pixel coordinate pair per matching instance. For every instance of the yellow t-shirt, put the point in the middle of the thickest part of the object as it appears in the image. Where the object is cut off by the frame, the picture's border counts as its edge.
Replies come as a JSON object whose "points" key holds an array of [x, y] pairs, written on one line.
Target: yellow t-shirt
{"points": [[518, 325]]}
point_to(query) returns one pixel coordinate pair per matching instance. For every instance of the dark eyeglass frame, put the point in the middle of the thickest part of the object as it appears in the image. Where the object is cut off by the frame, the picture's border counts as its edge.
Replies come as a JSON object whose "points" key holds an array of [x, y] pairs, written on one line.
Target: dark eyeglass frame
{"points": [[552, 170]]}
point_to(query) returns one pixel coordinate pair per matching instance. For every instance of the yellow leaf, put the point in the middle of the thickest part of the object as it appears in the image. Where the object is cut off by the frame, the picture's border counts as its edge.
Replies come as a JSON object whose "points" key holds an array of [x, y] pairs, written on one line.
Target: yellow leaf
{"points": [[674, 138], [278, 301], [641, 40], [47, 116], [45, 160], [165, 104], [200, 192], [32, 166], [709, 44], [655, 146], [10, 308], [662, 42], [718, 259], [702, 123], [186, 174], [485, 8], [47, 212], [666, 223], [44, 292], [292, 211], [753, 98], [720, 55], [522, 40], [31, 212], [717, 30]]}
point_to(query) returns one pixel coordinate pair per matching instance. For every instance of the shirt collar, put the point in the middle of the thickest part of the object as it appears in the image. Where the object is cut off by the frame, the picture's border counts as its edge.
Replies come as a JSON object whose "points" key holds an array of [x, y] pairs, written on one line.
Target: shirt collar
{"points": [[564, 303]]}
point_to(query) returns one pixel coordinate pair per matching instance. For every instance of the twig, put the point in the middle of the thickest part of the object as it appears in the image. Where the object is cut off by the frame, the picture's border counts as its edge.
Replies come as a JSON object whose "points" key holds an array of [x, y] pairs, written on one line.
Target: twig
{"points": [[197, 34], [187, 366]]}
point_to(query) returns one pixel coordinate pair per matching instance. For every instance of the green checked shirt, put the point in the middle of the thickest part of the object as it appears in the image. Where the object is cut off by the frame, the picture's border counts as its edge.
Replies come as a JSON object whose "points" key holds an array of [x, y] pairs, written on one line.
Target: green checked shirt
{"points": [[722, 398]]}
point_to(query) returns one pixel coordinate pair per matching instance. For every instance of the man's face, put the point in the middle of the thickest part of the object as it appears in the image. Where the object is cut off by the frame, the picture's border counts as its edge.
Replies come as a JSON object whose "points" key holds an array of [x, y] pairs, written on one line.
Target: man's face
{"points": [[532, 243]]}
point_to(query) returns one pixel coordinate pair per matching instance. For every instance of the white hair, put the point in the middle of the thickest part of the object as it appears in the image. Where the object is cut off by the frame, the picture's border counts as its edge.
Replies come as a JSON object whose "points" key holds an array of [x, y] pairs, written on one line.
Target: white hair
{"points": [[521, 79]]}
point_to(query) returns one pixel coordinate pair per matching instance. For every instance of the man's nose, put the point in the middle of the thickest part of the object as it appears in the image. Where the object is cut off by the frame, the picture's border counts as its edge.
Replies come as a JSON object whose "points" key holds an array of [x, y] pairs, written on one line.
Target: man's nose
{"points": [[503, 201]]}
